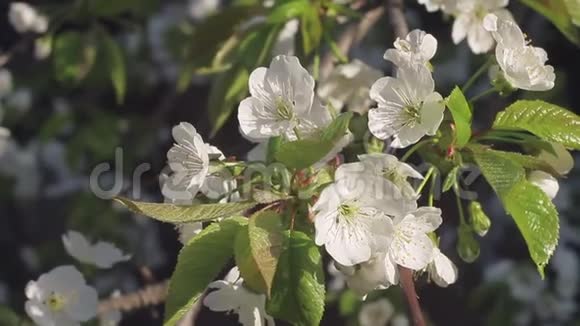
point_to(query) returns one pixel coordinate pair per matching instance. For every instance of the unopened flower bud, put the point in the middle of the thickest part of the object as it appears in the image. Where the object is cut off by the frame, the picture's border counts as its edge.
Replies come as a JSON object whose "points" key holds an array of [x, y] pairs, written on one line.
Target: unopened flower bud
{"points": [[467, 246], [480, 222]]}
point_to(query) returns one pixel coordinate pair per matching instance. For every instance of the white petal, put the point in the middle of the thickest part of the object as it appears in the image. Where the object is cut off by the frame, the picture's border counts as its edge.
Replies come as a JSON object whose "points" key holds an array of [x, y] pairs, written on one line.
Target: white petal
{"points": [[432, 113], [444, 271], [415, 253], [107, 254], [546, 182], [224, 299], [479, 40], [288, 79], [377, 313], [78, 246], [82, 306], [259, 122], [461, 26]]}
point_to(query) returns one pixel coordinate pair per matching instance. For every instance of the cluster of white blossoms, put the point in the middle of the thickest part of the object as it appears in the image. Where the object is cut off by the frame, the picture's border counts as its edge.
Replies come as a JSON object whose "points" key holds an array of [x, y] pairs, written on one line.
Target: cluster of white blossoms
{"points": [[369, 225], [62, 296], [25, 18], [408, 105]]}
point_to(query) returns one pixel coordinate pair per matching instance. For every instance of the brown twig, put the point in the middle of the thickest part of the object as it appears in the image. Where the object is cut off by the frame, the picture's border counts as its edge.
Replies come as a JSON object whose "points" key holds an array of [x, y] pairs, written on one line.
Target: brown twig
{"points": [[395, 10], [145, 297], [352, 35], [408, 285]]}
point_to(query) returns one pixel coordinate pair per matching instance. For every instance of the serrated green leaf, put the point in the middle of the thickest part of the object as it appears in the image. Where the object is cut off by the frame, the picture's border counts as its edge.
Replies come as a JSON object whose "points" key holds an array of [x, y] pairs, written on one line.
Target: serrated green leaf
{"points": [[268, 196], [557, 12], [287, 10], [526, 161], [298, 292], [545, 120], [537, 219], [74, 56], [530, 208], [116, 62], [451, 178], [172, 213], [303, 153], [459, 107], [265, 230], [310, 29], [198, 263]]}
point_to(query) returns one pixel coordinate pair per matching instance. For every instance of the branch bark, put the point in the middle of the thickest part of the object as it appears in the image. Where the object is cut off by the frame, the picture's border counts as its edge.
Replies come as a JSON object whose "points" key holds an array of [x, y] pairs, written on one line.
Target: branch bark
{"points": [[148, 296], [408, 285], [352, 35], [395, 10]]}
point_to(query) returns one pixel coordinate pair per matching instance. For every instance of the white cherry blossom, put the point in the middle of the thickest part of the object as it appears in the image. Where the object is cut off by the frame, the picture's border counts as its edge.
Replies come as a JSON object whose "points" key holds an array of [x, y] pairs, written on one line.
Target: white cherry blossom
{"points": [[25, 18], [61, 297], [562, 162], [447, 6], [101, 254], [376, 313], [408, 106], [441, 270], [400, 320], [230, 295], [418, 47], [545, 181], [349, 85], [389, 167], [189, 160], [523, 66], [379, 272], [469, 22], [353, 216], [280, 102], [411, 246]]}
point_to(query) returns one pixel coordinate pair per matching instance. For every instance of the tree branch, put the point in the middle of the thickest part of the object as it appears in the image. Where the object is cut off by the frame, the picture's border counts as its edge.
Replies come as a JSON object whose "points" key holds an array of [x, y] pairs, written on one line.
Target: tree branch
{"points": [[147, 296], [351, 36], [406, 278], [397, 17]]}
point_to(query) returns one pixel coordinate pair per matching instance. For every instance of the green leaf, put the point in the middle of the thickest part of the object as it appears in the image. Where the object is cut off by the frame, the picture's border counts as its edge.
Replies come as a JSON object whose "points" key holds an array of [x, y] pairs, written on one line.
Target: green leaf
{"points": [[287, 10], [557, 12], [10, 317], [228, 89], [310, 29], [531, 209], [198, 263], [183, 214], [74, 55], [526, 161], [116, 62], [266, 240], [300, 154], [545, 120], [451, 178], [573, 10], [537, 219], [459, 107], [273, 147], [298, 292]]}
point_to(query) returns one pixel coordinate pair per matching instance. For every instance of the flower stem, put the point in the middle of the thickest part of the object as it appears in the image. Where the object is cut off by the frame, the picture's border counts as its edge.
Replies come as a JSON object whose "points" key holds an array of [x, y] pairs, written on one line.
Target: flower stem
{"points": [[406, 278], [415, 148], [476, 76], [482, 95], [427, 176], [431, 192], [459, 205]]}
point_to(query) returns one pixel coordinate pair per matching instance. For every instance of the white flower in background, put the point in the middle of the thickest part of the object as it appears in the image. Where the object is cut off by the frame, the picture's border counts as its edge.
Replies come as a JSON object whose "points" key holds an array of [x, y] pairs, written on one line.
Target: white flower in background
{"points": [[349, 85], [400, 320], [24, 18], [418, 47], [22, 164], [6, 82], [523, 66], [187, 231], [376, 313], [447, 6], [337, 278], [567, 266], [4, 139], [232, 296], [562, 162], [101, 254], [61, 297], [200, 9], [408, 107], [281, 101], [20, 100], [286, 39], [469, 23], [353, 216], [545, 181], [441, 270], [411, 246], [389, 167]]}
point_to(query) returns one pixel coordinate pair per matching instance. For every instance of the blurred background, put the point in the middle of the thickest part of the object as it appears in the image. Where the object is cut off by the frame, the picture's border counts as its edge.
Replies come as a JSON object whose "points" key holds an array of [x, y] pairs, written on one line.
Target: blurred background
{"points": [[69, 111]]}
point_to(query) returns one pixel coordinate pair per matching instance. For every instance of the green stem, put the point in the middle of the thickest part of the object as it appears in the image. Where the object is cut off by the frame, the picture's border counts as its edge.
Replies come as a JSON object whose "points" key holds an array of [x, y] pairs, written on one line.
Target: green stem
{"points": [[427, 176], [459, 206], [476, 76], [430, 199], [415, 148], [482, 95]]}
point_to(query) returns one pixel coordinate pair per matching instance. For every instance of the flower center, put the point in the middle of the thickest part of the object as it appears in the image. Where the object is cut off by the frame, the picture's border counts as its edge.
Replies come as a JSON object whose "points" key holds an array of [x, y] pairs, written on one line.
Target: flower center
{"points": [[348, 211], [55, 302], [413, 113], [284, 109]]}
